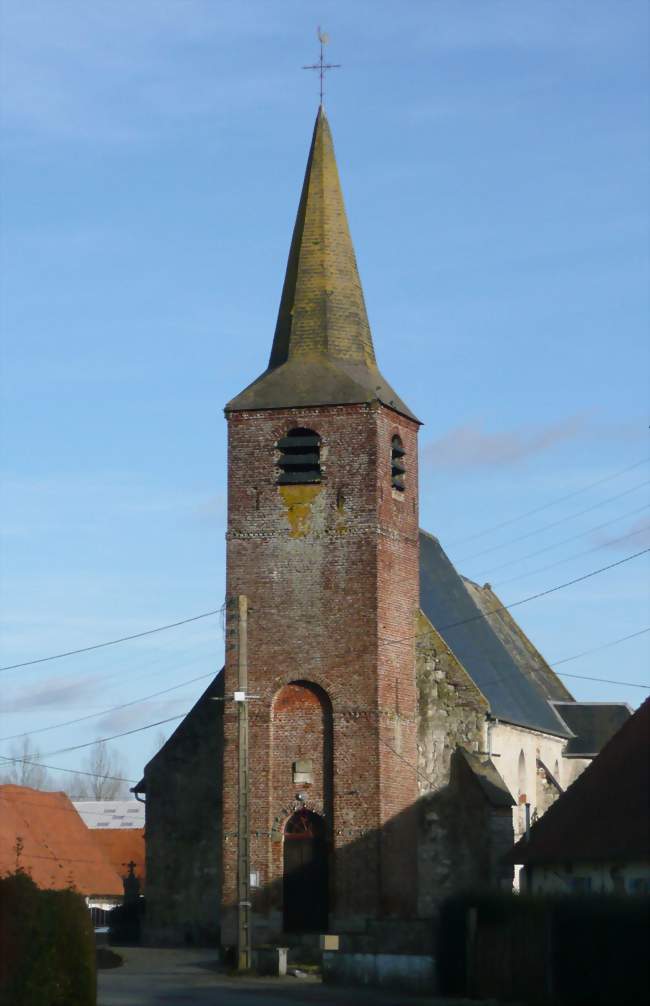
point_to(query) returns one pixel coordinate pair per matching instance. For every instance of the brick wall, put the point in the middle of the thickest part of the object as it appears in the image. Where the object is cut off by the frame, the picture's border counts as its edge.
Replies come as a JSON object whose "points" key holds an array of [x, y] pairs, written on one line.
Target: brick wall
{"points": [[331, 574]]}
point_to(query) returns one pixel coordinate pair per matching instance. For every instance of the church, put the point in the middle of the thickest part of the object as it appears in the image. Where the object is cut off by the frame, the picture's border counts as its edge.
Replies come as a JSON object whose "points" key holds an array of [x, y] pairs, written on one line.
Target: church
{"points": [[401, 730]]}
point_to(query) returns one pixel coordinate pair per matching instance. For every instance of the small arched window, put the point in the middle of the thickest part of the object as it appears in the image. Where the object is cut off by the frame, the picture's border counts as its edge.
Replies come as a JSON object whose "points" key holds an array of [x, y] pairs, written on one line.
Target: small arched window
{"points": [[397, 467], [299, 461], [521, 777]]}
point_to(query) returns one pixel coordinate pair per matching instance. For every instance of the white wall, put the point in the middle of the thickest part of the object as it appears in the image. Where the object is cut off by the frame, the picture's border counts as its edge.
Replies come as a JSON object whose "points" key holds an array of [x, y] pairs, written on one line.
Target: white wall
{"points": [[507, 743], [594, 878]]}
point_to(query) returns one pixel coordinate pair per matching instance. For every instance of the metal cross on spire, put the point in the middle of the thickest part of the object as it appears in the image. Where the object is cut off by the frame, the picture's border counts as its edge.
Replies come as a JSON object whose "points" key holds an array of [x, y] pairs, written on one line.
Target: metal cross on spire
{"points": [[321, 66]]}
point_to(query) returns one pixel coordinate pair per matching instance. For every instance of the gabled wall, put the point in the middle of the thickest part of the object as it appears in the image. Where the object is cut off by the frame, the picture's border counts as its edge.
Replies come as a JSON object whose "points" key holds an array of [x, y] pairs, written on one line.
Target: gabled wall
{"points": [[462, 833], [183, 829]]}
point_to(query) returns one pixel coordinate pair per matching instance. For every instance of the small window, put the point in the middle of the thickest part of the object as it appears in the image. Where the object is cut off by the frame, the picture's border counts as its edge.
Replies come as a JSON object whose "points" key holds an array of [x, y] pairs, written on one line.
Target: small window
{"points": [[303, 771], [397, 470], [299, 461]]}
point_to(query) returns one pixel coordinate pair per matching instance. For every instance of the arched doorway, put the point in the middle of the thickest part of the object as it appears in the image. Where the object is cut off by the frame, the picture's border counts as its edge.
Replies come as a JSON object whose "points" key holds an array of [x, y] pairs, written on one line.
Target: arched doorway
{"points": [[305, 881]]}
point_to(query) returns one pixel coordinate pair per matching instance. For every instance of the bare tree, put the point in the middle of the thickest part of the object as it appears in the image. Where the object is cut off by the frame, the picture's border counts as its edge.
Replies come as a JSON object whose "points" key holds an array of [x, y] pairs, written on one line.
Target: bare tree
{"points": [[106, 767], [23, 768], [76, 786]]}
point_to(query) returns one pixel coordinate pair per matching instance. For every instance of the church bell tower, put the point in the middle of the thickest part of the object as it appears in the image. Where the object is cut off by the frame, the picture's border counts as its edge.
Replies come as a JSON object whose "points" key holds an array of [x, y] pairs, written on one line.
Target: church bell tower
{"points": [[322, 542]]}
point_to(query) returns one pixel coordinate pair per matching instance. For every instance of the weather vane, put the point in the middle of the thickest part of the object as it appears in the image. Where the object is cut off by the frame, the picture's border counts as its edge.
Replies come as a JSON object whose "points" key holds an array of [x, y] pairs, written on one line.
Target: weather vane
{"points": [[322, 67]]}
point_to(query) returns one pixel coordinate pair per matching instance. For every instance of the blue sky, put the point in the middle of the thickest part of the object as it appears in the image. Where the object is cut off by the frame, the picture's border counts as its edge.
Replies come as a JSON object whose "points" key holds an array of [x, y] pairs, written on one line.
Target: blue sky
{"points": [[494, 162]]}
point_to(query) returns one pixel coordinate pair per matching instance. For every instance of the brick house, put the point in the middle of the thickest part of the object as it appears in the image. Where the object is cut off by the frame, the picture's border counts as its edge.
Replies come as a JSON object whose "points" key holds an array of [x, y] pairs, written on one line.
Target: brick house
{"points": [[396, 724]]}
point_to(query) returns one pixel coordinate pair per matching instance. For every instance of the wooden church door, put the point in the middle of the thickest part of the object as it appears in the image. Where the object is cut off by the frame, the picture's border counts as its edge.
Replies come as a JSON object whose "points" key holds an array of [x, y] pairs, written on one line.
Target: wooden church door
{"points": [[305, 887]]}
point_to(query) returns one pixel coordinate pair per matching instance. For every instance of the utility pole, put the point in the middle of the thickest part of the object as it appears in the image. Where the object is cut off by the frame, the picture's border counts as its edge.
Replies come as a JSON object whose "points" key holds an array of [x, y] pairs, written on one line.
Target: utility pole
{"points": [[243, 823]]}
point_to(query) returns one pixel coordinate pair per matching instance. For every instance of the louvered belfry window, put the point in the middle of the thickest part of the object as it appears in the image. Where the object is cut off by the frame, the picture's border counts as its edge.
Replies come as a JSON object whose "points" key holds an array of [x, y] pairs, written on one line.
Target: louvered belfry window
{"points": [[397, 469], [299, 461]]}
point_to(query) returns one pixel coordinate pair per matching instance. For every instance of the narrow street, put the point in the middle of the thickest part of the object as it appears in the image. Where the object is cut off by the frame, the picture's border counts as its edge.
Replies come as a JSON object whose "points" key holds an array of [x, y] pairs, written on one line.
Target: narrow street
{"points": [[153, 977]]}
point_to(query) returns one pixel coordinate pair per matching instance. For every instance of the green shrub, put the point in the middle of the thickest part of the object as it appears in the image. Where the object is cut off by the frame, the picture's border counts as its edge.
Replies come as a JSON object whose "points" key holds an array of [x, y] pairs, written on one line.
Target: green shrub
{"points": [[47, 946]]}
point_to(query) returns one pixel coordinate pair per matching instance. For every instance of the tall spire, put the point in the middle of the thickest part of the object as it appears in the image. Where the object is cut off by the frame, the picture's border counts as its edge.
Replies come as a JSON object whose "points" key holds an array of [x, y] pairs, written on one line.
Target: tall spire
{"points": [[322, 349]]}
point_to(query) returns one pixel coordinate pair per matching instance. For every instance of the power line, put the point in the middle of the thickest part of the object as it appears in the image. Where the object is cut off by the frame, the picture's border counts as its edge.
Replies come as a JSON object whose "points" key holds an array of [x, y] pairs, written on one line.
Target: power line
{"points": [[111, 642], [72, 771], [605, 681], [479, 615], [111, 709], [216, 611], [564, 541], [125, 733], [182, 684], [597, 649], [95, 775], [576, 555], [555, 523], [523, 600], [406, 761], [545, 506]]}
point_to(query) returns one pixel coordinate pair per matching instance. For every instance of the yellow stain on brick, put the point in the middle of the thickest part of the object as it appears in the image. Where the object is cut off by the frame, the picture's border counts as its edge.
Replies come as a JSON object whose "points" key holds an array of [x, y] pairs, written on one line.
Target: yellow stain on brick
{"points": [[298, 500]]}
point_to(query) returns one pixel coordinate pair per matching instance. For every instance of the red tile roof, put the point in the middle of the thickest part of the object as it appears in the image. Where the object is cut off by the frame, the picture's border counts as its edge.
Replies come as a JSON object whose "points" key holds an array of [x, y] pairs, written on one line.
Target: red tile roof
{"points": [[57, 848], [604, 816], [120, 846]]}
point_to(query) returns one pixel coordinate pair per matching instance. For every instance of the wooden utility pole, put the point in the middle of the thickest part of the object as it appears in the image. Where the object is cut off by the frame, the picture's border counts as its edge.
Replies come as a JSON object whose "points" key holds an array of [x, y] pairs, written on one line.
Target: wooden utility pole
{"points": [[243, 824]]}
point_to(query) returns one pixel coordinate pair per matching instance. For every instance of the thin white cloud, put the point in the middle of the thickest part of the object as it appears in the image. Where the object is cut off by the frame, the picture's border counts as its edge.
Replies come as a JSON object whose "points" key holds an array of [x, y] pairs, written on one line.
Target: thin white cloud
{"points": [[147, 712], [471, 446], [111, 72], [55, 693], [636, 537]]}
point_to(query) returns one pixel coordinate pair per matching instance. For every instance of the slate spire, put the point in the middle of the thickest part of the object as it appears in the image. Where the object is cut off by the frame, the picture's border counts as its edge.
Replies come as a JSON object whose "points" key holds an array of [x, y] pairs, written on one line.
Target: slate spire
{"points": [[322, 309], [322, 351]]}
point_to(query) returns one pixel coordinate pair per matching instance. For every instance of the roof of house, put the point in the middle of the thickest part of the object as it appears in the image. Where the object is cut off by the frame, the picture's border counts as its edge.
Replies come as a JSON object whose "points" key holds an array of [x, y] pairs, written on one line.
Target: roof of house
{"points": [[593, 723], [495, 653], [56, 848], [110, 813], [604, 816], [120, 846], [322, 349], [487, 778]]}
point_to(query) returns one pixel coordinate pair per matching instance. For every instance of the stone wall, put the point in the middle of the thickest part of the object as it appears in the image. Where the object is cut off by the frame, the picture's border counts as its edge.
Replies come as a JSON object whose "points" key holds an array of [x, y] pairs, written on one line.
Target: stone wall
{"points": [[462, 834], [183, 829]]}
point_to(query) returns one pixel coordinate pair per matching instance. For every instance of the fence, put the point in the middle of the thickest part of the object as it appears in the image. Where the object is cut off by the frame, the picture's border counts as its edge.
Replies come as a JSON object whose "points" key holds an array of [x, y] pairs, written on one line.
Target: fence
{"points": [[553, 950]]}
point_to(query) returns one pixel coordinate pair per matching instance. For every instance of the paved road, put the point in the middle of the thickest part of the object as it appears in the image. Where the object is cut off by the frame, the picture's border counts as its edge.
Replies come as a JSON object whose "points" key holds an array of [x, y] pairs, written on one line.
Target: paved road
{"points": [[152, 977]]}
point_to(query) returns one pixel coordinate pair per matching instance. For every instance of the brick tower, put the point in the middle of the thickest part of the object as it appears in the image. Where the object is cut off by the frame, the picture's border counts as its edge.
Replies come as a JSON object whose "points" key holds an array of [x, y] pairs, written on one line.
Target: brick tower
{"points": [[323, 543]]}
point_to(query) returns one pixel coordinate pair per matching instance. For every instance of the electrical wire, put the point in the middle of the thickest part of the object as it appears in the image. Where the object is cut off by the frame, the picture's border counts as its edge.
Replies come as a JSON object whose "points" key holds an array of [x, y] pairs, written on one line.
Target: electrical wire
{"points": [[545, 506], [111, 709], [576, 555], [113, 737], [564, 541], [111, 642], [479, 615], [576, 656], [523, 600], [72, 771], [597, 649], [555, 523]]}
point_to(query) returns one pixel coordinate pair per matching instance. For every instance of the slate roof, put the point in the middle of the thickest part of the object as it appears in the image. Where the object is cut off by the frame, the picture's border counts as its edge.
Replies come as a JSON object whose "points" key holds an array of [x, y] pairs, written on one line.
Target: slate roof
{"points": [[57, 847], [604, 816], [594, 723], [322, 349], [488, 780], [514, 686], [519, 646], [111, 813]]}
